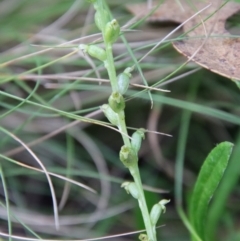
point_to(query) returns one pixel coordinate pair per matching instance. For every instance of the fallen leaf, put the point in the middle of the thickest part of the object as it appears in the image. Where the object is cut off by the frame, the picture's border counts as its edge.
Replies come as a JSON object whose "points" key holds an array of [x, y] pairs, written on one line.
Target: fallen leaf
{"points": [[220, 51]]}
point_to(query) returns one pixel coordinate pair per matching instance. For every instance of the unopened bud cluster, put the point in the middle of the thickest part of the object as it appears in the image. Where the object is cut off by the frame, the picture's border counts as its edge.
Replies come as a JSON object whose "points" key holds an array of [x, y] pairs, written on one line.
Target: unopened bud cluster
{"points": [[111, 31]]}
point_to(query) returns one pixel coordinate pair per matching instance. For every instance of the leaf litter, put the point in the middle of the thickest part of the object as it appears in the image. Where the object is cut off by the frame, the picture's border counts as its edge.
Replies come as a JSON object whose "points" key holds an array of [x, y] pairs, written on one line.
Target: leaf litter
{"points": [[219, 50]]}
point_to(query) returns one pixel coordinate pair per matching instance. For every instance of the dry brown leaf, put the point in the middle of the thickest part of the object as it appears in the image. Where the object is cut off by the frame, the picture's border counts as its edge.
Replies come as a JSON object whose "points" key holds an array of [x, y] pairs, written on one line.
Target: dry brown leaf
{"points": [[220, 52]]}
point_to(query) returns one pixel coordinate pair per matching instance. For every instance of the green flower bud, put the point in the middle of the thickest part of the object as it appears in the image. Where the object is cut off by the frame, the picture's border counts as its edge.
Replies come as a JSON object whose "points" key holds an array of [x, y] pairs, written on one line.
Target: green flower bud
{"points": [[112, 31], [94, 51], [137, 138], [155, 213], [157, 210], [99, 20], [110, 114], [123, 80], [116, 101], [131, 188], [128, 156], [143, 237]]}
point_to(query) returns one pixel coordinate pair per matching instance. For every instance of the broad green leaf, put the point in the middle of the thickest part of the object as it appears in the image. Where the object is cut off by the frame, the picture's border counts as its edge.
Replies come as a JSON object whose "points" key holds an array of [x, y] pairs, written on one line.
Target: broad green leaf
{"points": [[208, 179], [228, 183]]}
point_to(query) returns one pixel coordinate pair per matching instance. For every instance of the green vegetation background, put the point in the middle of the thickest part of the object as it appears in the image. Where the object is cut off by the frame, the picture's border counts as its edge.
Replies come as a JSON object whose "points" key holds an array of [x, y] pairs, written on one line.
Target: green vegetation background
{"points": [[201, 111]]}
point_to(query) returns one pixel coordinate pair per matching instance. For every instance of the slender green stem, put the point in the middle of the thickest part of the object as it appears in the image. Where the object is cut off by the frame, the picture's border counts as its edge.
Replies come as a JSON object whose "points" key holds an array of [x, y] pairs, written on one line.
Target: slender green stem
{"points": [[109, 64], [151, 233], [122, 127]]}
